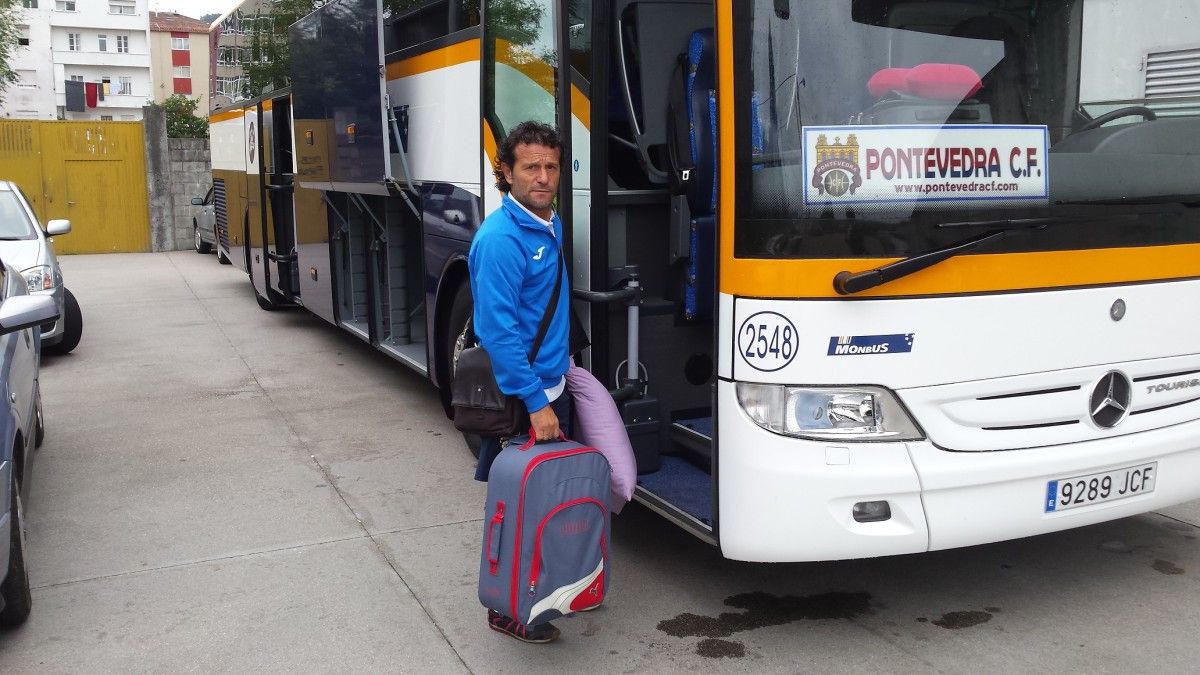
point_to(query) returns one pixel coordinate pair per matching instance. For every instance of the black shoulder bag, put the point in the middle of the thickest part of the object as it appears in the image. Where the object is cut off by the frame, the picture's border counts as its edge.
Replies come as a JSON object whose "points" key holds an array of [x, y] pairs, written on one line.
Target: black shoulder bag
{"points": [[479, 405]]}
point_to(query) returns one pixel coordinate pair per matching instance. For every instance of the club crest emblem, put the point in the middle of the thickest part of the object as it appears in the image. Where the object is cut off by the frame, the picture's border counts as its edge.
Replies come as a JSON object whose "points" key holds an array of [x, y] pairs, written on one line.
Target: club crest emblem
{"points": [[836, 172]]}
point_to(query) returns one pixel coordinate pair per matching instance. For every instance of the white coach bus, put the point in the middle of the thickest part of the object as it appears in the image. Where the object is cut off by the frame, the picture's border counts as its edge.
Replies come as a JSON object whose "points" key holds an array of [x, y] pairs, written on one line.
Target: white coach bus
{"points": [[867, 277]]}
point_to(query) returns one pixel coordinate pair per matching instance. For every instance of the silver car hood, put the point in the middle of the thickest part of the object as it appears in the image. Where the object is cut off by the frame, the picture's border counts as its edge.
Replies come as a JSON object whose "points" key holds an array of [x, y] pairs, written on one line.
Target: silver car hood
{"points": [[22, 254]]}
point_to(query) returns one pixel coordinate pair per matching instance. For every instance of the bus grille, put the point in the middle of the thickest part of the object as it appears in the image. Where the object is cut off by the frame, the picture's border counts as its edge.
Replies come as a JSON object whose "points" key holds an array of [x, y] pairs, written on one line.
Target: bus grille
{"points": [[1054, 408]]}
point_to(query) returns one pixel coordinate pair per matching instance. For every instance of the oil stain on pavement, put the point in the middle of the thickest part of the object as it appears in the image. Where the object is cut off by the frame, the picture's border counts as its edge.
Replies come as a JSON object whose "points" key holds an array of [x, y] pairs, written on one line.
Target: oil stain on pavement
{"points": [[759, 611], [967, 619], [1167, 567]]}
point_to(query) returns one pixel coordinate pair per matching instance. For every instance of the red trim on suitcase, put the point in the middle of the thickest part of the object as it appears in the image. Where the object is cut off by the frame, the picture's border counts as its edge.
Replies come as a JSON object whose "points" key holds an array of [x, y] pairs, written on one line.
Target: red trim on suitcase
{"points": [[516, 574], [590, 596], [537, 541]]}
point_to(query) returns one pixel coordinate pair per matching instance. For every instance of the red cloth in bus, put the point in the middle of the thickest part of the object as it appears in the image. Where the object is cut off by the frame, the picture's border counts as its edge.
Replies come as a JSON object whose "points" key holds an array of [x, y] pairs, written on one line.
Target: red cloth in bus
{"points": [[943, 81], [888, 80], [90, 94]]}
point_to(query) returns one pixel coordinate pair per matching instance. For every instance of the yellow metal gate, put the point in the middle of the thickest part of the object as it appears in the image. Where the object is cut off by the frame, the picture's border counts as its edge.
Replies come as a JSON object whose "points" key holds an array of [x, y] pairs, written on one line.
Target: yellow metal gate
{"points": [[92, 173]]}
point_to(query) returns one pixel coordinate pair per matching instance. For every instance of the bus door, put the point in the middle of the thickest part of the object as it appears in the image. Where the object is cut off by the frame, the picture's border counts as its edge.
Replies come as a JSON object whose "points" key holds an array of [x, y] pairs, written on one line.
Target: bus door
{"points": [[278, 181], [251, 224], [653, 216]]}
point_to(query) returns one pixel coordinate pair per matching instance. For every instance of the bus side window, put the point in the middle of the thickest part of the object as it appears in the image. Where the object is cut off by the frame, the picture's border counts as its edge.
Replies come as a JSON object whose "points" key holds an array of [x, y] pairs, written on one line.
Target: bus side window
{"points": [[413, 22]]}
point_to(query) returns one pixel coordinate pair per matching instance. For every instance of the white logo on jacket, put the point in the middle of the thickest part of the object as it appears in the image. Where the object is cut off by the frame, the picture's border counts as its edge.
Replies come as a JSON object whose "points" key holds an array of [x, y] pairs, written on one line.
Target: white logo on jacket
{"points": [[539, 253]]}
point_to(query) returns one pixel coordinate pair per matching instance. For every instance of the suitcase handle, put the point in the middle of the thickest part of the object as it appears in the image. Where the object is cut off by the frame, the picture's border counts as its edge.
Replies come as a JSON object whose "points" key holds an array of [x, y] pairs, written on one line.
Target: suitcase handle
{"points": [[533, 440], [493, 539]]}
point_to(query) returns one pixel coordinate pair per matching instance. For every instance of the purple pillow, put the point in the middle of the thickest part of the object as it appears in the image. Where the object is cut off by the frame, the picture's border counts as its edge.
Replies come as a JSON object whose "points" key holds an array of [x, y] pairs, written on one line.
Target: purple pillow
{"points": [[598, 424]]}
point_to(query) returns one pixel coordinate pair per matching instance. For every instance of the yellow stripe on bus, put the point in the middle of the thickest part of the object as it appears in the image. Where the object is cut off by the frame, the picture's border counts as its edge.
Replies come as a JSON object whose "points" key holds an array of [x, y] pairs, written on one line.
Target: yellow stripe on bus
{"points": [[453, 55], [985, 273], [225, 115], [725, 220]]}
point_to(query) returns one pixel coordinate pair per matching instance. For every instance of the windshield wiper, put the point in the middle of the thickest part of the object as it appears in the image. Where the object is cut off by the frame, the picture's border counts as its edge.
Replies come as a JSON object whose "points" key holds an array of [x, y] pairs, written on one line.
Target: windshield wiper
{"points": [[847, 283]]}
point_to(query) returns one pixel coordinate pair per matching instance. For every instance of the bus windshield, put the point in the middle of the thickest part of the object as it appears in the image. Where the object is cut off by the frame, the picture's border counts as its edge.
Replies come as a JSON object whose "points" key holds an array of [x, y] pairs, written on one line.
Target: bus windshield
{"points": [[870, 123]]}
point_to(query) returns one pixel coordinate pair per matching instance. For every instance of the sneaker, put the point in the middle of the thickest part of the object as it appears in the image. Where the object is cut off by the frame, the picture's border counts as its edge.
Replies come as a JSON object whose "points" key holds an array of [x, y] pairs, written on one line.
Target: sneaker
{"points": [[540, 634]]}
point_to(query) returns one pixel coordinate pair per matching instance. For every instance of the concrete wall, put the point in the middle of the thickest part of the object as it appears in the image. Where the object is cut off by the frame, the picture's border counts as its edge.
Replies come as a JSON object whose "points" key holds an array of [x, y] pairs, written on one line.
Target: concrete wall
{"points": [[190, 176], [177, 169]]}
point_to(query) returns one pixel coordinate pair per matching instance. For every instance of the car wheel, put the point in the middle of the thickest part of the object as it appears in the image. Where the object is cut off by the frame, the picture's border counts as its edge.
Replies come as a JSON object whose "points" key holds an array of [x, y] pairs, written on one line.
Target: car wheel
{"points": [[221, 257], [460, 311], [72, 326], [18, 600], [201, 245]]}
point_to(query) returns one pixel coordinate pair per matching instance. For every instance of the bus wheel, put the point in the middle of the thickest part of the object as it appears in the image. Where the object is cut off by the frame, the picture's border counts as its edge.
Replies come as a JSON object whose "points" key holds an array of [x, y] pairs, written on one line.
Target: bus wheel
{"points": [[460, 311]]}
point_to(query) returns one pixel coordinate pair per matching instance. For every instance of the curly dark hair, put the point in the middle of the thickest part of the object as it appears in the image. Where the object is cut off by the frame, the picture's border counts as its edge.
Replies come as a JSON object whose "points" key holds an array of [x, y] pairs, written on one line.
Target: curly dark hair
{"points": [[530, 132]]}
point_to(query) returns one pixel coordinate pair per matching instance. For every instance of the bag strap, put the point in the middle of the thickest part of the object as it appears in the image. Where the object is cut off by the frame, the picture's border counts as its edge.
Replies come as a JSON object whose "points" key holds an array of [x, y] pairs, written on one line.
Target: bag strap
{"points": [[544, 326]]}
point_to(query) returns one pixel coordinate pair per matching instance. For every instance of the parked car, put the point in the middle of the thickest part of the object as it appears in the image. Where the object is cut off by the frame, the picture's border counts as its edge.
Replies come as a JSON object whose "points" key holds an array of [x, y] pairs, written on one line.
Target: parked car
{"points": [[29, 249], [204, 227], [22, 428]]}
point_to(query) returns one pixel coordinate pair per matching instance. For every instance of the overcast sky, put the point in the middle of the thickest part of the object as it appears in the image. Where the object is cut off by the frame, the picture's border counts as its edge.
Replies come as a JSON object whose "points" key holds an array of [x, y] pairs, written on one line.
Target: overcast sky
{"points": [[192, 8]]}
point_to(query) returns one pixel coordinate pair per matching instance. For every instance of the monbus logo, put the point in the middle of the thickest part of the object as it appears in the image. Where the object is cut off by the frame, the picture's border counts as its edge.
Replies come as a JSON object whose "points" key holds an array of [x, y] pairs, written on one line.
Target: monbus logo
{"points": [[853, 345]]}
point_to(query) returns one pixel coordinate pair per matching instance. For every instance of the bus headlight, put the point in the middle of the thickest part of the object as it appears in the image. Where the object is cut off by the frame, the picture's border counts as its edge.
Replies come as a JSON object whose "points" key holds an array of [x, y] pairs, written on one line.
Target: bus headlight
{"points": [[828, 413]]}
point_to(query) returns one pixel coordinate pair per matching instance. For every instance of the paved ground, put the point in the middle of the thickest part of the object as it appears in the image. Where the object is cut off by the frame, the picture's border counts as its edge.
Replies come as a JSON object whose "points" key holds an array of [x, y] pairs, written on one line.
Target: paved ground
{"points": [[224, 488]]}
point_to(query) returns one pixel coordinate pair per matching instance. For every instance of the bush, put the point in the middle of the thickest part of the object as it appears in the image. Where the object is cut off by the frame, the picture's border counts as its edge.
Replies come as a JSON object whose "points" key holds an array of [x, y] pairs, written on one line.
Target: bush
{"points": [[182, 121]]}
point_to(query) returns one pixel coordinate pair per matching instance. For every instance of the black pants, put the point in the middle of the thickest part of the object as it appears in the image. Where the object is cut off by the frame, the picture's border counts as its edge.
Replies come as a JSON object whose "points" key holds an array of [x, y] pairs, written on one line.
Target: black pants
{"points": [[492, 445]]}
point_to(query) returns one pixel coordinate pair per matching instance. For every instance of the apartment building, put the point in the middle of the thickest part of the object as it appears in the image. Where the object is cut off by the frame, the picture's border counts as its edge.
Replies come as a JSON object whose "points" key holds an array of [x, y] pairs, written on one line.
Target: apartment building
{"points": [[179, 58], [102, 44]]}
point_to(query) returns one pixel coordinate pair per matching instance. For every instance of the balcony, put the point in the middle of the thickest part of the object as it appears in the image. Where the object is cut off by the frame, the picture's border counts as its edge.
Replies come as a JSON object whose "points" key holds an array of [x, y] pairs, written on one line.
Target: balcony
{"points": [[135, 23], [108, 59]]}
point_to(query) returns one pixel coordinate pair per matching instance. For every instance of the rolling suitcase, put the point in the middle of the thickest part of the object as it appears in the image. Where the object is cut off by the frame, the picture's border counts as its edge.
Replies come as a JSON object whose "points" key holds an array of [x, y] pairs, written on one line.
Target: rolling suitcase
{"points": [[545, 531]]}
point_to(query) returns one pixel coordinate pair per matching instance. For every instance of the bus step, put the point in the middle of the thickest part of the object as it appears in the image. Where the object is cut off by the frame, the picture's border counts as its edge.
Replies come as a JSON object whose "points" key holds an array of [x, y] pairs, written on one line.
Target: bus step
{"points": [[681, 487], [694, 434]]}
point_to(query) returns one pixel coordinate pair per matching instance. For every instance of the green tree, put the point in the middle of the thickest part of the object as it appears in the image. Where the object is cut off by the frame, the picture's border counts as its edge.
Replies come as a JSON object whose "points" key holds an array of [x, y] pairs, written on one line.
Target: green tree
{"points": [[182, 121], [9, 11]]}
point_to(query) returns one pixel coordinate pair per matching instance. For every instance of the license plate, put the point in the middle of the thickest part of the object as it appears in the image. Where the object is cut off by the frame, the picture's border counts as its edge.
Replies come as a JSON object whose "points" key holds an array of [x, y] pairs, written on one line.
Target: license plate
{"points": [[1095, 488]]}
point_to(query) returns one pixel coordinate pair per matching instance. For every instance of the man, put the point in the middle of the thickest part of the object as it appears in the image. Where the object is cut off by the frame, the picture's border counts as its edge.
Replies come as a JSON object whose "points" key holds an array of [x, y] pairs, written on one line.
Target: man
{"points": [[513, 262]]}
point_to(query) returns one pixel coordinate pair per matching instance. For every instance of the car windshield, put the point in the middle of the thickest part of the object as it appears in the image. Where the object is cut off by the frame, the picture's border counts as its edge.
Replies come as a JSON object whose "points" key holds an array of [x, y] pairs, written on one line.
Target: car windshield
{"points": [[14, 221], [871, 122]]}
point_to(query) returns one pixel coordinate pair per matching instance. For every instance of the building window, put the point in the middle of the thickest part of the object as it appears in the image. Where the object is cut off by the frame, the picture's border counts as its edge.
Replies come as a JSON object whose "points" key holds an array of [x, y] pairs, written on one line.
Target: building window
{"points": [[182, 71], [77, 78], [74, 41], [106, 118], [23, 35], [180, 43], [120, 7], [64, 5], [26, 114], [126, 83], [102, 40], [123, 44], [26, 79], [106, 85], [29, 4]]}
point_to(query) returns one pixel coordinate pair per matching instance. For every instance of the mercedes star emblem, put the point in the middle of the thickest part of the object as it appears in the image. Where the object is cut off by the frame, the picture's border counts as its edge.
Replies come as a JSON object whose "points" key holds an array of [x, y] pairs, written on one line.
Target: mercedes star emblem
{"points": [[1110, 399]]}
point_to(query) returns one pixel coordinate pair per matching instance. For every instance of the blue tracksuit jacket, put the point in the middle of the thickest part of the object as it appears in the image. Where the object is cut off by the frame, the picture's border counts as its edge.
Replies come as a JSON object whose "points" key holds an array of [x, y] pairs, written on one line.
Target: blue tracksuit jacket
{"points": [[512, 261]]}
